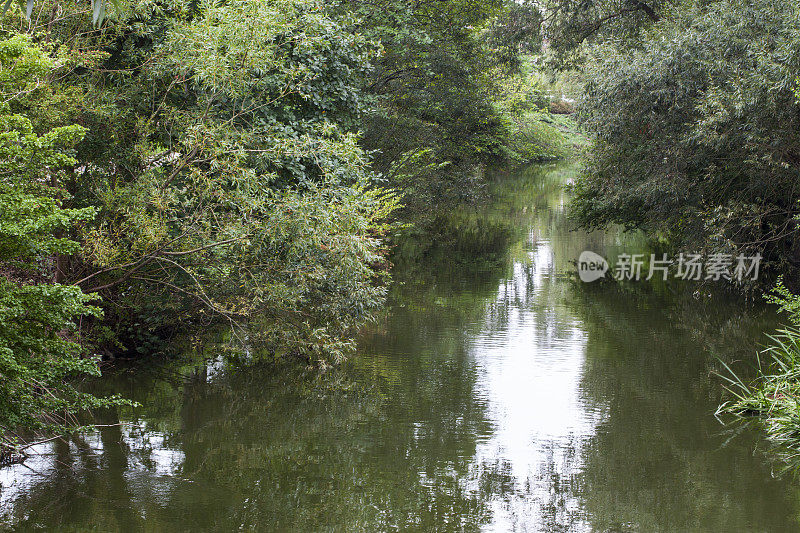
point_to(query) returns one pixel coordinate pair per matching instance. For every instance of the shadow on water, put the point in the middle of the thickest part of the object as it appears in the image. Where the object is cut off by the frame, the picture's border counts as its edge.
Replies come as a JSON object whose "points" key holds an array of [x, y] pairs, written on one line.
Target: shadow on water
{"points": [[498, 393]]}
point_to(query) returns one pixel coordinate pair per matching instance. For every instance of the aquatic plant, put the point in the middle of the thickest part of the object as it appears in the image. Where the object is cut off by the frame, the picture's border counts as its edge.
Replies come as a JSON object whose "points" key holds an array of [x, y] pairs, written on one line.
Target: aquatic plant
{"points": [[774, 395]]}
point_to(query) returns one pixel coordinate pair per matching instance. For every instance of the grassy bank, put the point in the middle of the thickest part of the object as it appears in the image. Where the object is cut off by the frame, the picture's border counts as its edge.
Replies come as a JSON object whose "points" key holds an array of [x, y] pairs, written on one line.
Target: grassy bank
{"points": [[540, 125], [773, 397]]}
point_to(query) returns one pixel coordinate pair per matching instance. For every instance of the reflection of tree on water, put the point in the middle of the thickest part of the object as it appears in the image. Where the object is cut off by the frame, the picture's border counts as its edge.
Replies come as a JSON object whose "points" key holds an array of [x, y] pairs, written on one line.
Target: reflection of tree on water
{"points": [[91, 470], [271, 448], [531, 354], [497, 395], [660, 460], [545, 500]]}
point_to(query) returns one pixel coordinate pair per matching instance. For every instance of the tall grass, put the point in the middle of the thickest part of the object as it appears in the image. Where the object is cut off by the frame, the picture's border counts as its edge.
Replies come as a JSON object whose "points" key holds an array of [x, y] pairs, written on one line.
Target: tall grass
{"points": [[774, 395]]}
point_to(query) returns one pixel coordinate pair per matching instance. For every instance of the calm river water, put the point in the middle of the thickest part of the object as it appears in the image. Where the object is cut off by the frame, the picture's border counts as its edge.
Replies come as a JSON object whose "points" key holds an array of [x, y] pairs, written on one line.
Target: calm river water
{"points": [[496, 394]]}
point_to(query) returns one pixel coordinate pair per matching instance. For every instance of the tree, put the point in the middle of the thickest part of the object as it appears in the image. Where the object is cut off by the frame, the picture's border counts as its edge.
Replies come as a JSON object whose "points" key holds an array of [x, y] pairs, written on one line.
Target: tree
{"points": [[39, 354], [227, 179], [431, 126], [696, 130], [570, 25]]}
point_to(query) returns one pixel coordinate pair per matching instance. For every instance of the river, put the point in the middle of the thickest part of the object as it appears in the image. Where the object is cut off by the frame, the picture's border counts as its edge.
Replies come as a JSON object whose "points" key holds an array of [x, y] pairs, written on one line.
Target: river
{"points": [[497, 393]]}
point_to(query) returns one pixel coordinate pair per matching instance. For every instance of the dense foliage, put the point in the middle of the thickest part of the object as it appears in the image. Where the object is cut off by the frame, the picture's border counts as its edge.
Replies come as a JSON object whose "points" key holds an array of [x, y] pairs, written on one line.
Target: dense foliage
{"points": [[432, 123], [696, 127], [225, 182], [436, 119], [171, 164], [38, 315], [571, 25]]}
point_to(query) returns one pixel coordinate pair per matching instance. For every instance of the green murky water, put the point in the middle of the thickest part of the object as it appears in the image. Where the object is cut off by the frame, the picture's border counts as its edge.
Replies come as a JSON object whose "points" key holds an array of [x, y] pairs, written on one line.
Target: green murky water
{"points": [[497, 394]]}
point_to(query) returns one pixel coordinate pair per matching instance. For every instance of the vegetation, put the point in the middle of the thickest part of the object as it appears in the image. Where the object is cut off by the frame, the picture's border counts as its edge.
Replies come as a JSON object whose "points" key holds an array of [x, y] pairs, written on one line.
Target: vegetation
{"points": [[693, 111], [174, 164], [696, 132], [535, 134], [449, 93], [37, 313], [773, 394]]}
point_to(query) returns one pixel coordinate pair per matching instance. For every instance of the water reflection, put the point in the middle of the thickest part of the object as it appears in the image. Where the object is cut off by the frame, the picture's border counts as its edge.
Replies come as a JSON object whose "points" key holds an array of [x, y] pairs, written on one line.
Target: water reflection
{"points": [[499, 394], [531, 356]]}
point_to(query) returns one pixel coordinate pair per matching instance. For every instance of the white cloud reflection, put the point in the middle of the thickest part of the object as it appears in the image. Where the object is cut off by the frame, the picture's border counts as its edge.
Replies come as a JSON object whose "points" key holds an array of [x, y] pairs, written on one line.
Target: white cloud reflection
{"points": [[530, 360]]}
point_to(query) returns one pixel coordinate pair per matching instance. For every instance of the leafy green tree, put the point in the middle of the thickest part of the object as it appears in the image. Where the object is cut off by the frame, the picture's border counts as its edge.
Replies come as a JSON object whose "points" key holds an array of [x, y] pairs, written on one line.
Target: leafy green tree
{"points": [[570, 25], [228, 181], [38, 349], [431, 125], [696, 129]]}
